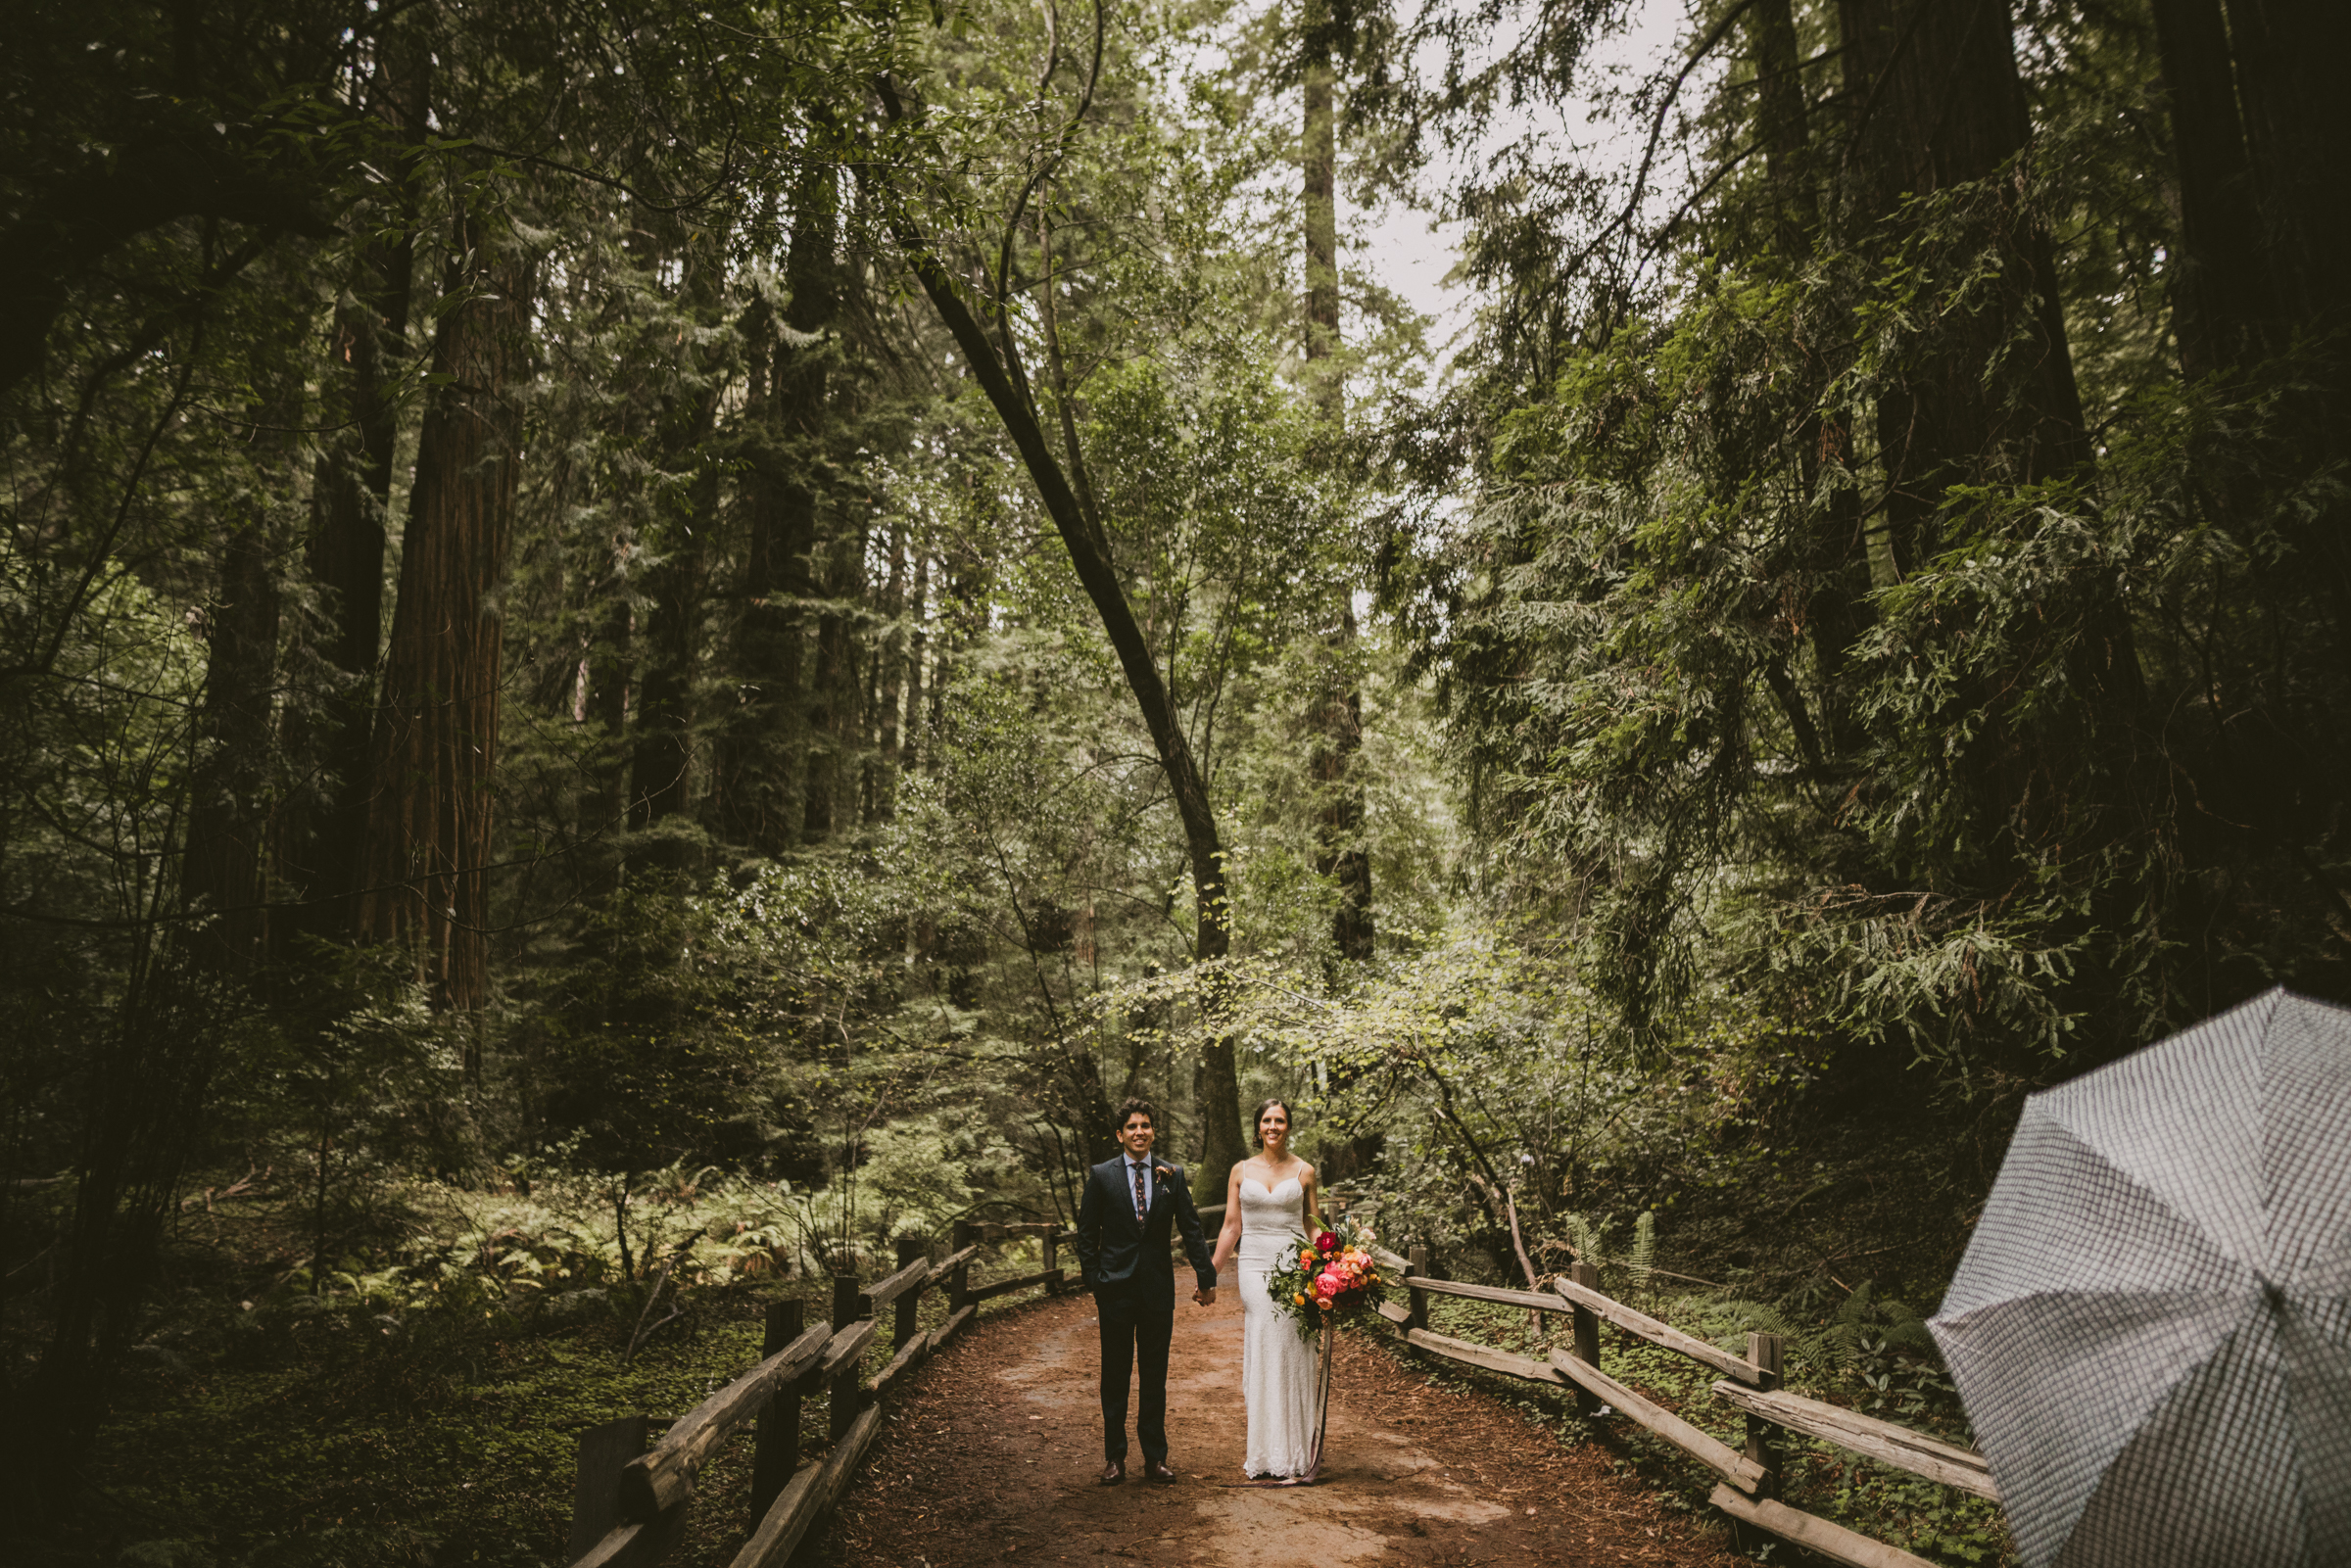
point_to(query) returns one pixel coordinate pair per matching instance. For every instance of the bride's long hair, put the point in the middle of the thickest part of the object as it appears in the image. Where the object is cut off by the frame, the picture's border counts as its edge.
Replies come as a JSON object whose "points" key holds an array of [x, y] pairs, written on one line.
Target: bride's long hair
{"points": [[1257, 1118]]}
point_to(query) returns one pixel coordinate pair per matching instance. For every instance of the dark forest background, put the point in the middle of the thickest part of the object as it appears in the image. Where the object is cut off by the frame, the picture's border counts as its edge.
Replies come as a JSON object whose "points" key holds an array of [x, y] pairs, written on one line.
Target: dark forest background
{"points": [[642, 645]]}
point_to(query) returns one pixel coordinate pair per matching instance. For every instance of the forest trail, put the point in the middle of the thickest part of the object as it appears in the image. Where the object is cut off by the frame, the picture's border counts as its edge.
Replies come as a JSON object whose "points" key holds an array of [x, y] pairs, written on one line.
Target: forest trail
{"points": [[992, 1458]]}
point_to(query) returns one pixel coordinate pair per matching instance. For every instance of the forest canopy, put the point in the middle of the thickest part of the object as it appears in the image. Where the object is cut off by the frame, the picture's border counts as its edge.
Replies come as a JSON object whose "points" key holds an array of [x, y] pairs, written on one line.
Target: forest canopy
{"points": [[614, 594]]}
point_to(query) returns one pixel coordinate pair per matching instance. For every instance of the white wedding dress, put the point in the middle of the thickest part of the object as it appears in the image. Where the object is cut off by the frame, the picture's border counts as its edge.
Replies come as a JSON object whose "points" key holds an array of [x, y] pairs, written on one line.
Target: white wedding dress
{"points": [[1278, 1366]]}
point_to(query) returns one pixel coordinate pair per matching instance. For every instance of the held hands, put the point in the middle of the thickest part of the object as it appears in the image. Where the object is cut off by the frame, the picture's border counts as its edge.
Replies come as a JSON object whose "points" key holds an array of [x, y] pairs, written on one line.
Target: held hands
{"points": [[1206, 1298]]}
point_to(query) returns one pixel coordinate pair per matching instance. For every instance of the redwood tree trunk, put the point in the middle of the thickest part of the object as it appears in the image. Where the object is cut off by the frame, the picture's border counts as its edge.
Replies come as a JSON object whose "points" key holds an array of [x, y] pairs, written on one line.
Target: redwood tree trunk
{"points": [[763, 795], [833, 688], [1940, 104], [890, 671], [915, 747], [1979, 398], [352, 494], [2292, 59], [1828, 548], [661, 760], [226, 868], [434, 746], [2224, 306], [1338, 718]]}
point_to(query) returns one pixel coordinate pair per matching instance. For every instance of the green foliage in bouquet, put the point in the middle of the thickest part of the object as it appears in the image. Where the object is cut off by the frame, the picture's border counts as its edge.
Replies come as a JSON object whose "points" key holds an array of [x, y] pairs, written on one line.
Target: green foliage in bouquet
{"points": [[1329, 1277]]}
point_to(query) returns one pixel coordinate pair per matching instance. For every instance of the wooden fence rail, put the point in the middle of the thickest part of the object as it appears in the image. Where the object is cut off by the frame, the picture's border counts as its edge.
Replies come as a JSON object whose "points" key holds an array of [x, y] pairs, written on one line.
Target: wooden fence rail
{"points": [[629, 1505], [1750, 1477]]}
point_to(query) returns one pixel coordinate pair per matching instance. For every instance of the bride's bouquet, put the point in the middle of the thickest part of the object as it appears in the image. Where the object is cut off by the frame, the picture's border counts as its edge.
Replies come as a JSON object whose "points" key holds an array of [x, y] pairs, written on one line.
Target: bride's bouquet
{"points": [[1327, 1278]]}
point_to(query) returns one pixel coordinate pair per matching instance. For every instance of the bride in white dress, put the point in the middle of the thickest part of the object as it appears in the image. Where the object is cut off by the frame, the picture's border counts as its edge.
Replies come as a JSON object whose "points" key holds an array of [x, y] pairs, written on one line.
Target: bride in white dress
{"points": [[1270, 1201]]}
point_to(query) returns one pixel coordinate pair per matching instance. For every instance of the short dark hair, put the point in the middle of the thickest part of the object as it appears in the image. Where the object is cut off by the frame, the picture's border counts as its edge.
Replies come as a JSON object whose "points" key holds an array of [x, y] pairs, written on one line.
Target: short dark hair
{"points": [[1259, 1115], [1134, 1106]]}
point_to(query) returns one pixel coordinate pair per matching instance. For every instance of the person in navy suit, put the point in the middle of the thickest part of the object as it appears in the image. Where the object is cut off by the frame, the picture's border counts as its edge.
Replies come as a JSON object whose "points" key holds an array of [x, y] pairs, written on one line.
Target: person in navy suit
{"points": [[1123, 1220]]}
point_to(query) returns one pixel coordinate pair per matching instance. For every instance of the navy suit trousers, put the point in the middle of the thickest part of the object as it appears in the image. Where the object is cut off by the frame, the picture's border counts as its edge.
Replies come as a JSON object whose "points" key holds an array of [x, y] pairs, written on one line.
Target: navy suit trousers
{"points": [[1135, 1332]]}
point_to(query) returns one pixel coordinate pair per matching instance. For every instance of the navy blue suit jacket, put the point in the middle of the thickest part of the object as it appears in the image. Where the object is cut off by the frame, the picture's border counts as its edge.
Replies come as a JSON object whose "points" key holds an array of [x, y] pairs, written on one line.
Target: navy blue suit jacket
{"points": [[1115, 1251]]}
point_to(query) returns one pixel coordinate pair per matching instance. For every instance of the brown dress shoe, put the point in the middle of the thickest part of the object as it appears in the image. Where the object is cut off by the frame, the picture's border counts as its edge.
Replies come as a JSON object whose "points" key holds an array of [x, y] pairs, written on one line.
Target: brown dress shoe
{"points": [[1158, 1473], [1114, 1472]]}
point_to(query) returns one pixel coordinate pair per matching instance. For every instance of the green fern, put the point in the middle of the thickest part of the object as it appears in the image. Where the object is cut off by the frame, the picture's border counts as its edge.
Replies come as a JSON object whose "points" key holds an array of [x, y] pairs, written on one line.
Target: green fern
{"points": [[1863, 1327], [1627, 1273], [1642, 1261]]}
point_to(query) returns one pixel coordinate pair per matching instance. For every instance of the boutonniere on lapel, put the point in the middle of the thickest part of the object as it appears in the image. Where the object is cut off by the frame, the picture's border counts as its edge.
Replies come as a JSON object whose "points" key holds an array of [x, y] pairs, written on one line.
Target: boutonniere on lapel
{"points": [[1163, 1172]]}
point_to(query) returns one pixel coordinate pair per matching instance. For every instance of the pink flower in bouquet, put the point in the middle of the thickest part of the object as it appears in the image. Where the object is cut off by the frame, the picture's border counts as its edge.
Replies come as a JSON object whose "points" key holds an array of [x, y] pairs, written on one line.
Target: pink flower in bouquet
{"points": [[1331, 1282], [1325, 1241]]}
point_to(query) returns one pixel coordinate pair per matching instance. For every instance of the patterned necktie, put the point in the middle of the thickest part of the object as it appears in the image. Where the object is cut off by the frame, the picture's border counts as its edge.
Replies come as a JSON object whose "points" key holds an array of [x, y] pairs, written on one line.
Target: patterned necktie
{"points": [[1142, 1201]]}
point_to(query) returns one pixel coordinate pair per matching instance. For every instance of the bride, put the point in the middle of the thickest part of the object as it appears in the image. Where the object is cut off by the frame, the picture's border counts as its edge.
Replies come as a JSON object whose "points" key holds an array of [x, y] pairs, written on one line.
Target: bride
{"points": [[1269, 1202]]}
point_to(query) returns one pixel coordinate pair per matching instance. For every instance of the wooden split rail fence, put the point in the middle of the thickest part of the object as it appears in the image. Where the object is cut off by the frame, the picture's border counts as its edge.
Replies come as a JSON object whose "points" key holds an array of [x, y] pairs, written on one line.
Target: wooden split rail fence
{"points": [[1749, 1488], [629, 1508]]}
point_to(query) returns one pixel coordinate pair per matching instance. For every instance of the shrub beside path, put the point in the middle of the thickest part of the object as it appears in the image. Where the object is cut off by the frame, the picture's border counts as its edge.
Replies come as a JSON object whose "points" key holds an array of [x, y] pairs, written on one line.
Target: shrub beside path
{"points": [[990, 1458]]}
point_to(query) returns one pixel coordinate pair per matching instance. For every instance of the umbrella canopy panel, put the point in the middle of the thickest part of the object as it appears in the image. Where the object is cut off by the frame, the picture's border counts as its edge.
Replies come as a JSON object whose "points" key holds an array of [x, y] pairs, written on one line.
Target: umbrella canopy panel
{"points": [[2151, 1328]]}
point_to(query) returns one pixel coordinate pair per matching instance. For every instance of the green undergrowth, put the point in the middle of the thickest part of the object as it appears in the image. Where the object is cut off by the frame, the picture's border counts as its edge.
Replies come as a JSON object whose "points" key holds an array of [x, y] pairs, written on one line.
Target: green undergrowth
{"points": [[387, 1423], [1870, 1353]]}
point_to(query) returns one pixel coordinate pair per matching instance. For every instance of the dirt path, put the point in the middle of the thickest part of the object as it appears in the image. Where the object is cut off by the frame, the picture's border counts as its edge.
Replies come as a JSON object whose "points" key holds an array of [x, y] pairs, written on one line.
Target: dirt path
{"points": [[992, 1457]]}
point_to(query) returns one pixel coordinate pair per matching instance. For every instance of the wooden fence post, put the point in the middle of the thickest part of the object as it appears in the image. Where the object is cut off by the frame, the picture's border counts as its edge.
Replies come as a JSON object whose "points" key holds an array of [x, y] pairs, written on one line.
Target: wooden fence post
{"points": [[775, 1450], [903, 1329], [1415, 1301], [596, 1489], [959, 1282], [847, 1383], [1765, 1442], [1052, 1258], [1587, 1335]]}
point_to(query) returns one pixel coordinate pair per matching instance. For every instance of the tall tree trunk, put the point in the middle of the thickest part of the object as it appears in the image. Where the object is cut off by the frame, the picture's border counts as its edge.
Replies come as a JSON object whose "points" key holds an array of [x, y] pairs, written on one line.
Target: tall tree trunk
{"points": [[2293, 58], [1785, 123], [915, 746], [436, 739], [1339, 720], [1081, 533], [1935, 86], [2224, 303], [756, 792], [841, 715], [764, 787], [833, 686], [1829, 546], [1319, 157], [226, 868], [1981, 395], [661, 760], [611, 652], [351, 497], [890, 671]]}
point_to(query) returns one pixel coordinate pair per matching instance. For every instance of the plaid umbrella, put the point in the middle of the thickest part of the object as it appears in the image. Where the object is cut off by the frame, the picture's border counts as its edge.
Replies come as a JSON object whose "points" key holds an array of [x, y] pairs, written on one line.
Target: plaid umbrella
{"points": [[2151, 1328]]}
